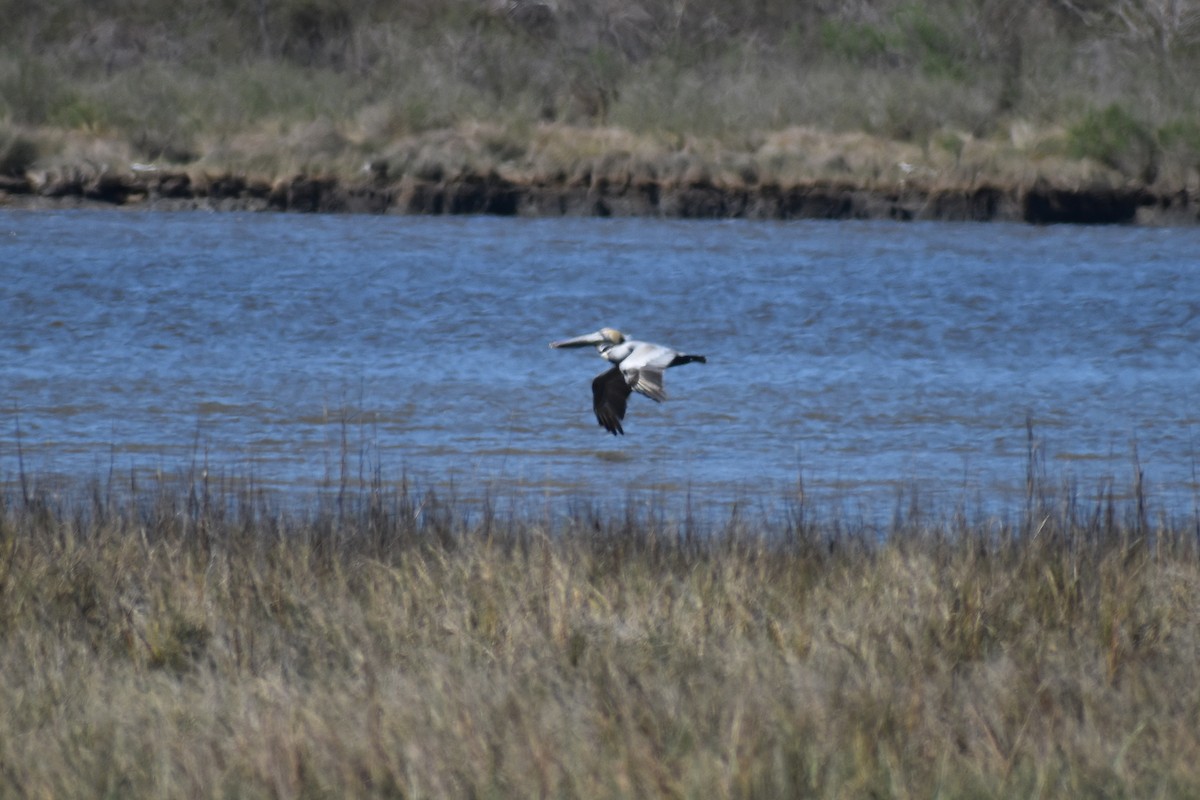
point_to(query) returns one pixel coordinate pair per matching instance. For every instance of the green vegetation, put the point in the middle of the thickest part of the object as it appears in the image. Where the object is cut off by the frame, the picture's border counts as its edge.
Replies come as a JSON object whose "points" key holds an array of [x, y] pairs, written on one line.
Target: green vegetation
{"points": [[1115, 138], [190, 640], [278, 87]]}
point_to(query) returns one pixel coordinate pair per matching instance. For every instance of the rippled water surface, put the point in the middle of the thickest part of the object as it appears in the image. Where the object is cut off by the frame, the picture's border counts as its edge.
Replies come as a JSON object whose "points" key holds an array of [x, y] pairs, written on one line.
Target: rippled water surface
{"points": [[861, 359]]}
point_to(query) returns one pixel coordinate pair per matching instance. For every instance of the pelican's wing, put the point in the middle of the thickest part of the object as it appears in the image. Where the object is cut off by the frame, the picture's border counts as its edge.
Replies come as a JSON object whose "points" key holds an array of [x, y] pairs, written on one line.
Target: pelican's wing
{"points": [[647, 381], [609, 395], [643, 369]]}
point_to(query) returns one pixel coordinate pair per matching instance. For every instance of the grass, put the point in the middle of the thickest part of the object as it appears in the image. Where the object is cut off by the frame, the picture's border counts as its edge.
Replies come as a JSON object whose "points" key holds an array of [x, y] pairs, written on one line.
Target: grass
{"points": [[194, 639], [278, 87]]}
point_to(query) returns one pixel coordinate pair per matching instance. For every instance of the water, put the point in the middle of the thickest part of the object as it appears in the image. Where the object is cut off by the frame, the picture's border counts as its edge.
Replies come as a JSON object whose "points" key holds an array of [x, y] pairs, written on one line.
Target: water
{"points": [[862, 360]]}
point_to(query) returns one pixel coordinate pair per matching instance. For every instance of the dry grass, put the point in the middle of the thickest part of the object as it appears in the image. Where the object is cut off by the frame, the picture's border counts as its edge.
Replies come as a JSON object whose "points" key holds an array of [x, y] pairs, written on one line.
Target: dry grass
{"points": [[190, 640]]}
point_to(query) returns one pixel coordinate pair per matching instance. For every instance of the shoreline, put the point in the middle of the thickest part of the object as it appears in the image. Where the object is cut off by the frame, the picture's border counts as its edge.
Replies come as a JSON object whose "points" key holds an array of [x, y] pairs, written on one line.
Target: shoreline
{"points": [[489, 193]]}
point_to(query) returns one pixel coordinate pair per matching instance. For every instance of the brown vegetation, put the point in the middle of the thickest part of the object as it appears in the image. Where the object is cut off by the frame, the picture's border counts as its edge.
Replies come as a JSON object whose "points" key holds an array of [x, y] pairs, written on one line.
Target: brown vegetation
{"points": [[653, 107], [190, 640]]}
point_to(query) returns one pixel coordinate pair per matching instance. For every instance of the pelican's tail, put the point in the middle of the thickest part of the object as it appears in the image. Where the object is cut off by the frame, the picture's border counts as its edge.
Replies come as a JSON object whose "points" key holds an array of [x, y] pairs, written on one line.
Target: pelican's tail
{"points": [[686, 359]]}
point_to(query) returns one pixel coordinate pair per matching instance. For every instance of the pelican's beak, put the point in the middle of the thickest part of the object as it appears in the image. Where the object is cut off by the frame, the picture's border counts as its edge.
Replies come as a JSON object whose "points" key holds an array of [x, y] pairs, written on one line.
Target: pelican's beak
{"points": [[581, 341]]}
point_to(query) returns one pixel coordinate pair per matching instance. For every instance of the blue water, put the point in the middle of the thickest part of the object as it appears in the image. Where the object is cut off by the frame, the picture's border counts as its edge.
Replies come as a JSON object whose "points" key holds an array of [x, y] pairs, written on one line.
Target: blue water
{"points": [[857, 359]]}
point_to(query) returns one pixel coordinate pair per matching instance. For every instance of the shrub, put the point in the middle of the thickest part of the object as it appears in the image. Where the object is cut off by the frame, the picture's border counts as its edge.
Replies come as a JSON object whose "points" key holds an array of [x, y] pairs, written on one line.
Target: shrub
{"points": [[1181, 138], [857, 43], [1115, 138], [31, 92], [934, 45]]}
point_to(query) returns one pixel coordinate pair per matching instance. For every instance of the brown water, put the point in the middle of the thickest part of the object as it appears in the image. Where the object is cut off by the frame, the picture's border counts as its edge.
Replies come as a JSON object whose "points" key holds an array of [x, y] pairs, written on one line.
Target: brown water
{"points": [[857, 357]]}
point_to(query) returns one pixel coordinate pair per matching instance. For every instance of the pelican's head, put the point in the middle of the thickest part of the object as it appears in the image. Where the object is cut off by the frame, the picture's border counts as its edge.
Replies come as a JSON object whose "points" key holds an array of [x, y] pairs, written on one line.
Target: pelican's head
{"points": [[600, 337], [612, 335]]}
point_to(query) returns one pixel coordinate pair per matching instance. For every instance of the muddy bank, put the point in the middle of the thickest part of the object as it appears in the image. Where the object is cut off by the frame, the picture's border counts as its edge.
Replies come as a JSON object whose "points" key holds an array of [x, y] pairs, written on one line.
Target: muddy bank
{"points": [[493, 194]]}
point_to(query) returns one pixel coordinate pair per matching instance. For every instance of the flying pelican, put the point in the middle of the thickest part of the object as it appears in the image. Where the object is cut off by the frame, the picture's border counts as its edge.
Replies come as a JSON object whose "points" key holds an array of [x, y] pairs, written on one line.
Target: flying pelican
{"points": [[637, 367]]}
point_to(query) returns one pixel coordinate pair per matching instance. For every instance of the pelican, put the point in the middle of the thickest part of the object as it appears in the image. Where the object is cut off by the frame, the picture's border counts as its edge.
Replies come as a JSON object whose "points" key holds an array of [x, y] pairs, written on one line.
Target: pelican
{"points": [[637, 367]]}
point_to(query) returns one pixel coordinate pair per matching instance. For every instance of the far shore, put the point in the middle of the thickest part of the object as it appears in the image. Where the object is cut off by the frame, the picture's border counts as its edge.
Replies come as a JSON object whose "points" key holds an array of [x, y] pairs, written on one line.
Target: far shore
{"points": [[1063, 113], [490, 192], [554, 170]]}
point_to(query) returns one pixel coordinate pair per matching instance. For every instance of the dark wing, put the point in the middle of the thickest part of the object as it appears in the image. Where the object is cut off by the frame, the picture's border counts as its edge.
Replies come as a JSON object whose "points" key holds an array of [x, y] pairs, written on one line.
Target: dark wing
{"points": [[609, 395]]}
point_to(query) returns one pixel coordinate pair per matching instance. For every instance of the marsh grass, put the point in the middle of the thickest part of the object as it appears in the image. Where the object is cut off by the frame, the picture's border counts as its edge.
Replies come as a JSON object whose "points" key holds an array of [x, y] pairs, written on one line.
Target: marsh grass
{"points": [[194, 637]]}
